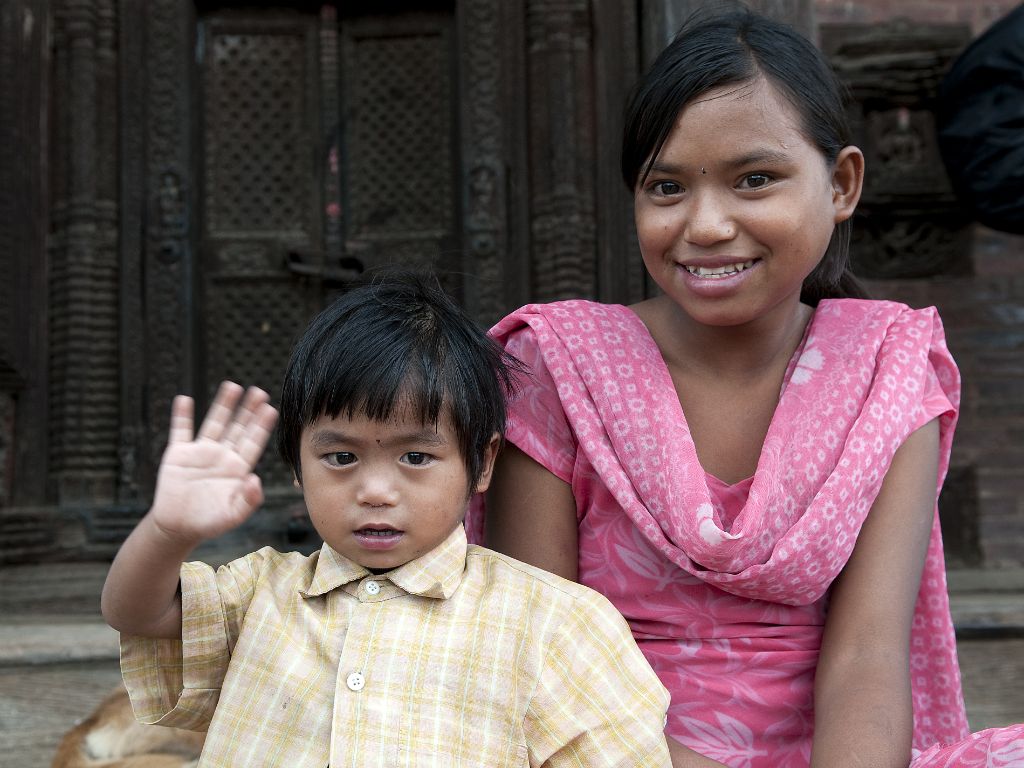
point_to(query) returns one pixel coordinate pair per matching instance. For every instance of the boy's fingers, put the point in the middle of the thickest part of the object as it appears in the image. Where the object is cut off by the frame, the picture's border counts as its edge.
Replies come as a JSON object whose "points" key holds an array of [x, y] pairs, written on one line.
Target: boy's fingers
{"points": [[254, 398], [257, 432], [181, 420], [250, 497], [221, 411]]}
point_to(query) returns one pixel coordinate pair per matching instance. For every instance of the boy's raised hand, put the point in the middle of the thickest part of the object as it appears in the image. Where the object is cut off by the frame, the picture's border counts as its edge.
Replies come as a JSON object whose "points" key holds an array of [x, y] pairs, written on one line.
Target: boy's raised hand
{"points": [[206, 485]]}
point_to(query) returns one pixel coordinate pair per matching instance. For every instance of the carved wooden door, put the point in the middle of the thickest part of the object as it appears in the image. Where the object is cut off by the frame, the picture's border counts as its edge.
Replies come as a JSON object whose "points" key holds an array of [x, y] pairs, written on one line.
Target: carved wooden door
{"points": [[328, 147]]}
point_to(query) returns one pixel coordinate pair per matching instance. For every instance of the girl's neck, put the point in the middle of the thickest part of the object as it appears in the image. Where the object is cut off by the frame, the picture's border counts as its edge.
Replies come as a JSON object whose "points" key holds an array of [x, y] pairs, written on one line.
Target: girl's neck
{"points": [[735, 352]]}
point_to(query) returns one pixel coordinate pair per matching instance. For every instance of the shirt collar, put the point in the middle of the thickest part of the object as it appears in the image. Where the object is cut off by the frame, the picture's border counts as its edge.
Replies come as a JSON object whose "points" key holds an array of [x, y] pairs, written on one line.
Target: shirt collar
{"points": [[436, 574]]}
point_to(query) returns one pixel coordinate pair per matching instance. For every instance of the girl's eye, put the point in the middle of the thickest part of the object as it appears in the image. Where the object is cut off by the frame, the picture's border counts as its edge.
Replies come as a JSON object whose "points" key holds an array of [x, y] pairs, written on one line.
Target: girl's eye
{"points": [[665, 188], [755, 180], [417, 459], [340, 459]]}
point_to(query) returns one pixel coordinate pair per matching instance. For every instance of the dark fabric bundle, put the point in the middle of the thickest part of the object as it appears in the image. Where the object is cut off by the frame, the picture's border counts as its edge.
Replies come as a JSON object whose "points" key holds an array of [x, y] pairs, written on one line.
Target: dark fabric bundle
{"points": [[980, 122]]}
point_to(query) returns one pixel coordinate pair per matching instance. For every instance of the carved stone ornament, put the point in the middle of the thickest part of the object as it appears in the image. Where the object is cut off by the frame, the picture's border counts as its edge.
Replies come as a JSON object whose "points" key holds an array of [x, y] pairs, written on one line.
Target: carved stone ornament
{"points": [[908, 223]]}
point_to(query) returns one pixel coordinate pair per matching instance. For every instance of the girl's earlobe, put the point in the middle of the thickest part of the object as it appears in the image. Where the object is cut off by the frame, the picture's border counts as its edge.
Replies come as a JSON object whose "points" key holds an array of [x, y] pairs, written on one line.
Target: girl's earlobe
{"points": [[847, 182]]}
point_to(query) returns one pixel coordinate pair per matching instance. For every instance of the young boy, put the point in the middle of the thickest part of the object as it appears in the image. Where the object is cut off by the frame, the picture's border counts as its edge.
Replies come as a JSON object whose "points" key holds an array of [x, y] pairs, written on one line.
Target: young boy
{"points": [[397, 643]]}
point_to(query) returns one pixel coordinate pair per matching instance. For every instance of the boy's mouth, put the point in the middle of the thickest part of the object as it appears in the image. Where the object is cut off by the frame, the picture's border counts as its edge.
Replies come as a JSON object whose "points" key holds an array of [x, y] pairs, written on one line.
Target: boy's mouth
{"points": [[378, 537]]}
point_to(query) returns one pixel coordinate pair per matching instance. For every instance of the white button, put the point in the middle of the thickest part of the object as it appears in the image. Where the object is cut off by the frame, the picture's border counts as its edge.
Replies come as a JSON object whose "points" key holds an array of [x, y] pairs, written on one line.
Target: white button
{"points": [[355, 681], [371, 587]]}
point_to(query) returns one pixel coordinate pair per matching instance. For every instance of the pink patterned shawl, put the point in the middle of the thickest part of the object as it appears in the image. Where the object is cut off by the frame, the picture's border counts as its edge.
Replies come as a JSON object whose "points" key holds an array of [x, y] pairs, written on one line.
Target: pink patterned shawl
{"points": [[728, 600]]}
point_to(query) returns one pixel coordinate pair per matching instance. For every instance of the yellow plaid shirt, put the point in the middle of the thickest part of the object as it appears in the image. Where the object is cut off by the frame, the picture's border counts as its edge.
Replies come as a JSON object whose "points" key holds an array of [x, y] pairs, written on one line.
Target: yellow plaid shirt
{"points": [[462, 657]]}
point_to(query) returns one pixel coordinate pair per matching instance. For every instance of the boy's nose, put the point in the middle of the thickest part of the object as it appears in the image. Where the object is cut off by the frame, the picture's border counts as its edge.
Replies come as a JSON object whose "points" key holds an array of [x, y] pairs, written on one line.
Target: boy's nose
{"points": [[376, 490], [708, 220]]}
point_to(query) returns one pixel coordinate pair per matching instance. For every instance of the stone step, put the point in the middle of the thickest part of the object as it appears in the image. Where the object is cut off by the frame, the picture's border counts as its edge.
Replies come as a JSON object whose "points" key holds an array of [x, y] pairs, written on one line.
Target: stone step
{"points": [[35, 640]]}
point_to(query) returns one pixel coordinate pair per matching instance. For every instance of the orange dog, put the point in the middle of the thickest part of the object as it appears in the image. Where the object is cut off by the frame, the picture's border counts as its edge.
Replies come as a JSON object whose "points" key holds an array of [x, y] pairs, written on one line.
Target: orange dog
{"points": [[111, 738]]}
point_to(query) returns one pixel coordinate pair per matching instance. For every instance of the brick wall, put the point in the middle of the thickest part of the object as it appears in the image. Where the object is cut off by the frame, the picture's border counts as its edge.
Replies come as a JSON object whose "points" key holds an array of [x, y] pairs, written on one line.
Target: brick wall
{"points": [[984, 318], [975, 13]]}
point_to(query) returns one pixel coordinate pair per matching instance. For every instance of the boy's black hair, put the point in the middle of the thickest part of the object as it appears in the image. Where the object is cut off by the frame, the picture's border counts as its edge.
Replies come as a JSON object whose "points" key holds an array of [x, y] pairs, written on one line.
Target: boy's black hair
{"points": [[397, 345], [733, 48]]}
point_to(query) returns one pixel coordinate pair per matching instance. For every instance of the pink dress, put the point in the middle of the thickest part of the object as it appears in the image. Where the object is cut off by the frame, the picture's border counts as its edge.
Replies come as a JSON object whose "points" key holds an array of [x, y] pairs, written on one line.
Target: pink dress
{"points": [[725, 587]]}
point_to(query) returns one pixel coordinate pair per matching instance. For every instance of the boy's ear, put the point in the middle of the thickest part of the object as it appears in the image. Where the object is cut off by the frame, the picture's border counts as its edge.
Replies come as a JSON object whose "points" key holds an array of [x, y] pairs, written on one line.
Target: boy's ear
{"points": [[487, 466], [847, 182], [295, 481]]}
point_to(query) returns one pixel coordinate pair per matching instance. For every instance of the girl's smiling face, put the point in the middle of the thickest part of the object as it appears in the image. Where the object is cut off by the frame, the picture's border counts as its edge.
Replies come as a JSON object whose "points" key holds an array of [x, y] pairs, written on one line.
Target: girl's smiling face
{"points": [[739, 205]]}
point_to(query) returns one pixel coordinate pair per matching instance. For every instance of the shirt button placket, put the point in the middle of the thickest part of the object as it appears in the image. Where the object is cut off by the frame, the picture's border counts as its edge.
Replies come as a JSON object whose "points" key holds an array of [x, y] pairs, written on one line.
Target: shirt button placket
{"points": [[371, 587]]}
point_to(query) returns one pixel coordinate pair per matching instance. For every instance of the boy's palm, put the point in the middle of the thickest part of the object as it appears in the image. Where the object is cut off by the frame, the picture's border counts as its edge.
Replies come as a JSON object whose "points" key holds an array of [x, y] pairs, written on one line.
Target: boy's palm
{"points": [[206, 485]]}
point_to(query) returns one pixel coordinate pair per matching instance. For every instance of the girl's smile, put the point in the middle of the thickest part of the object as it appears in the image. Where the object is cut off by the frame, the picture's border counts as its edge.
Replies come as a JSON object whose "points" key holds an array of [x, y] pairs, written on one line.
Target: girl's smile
{"points": [[717, 278], [715, 273]]}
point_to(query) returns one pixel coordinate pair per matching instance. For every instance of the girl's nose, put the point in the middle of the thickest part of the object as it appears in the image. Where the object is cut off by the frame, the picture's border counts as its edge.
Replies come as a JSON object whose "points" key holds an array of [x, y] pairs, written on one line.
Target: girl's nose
{"points": [[708, 220]]}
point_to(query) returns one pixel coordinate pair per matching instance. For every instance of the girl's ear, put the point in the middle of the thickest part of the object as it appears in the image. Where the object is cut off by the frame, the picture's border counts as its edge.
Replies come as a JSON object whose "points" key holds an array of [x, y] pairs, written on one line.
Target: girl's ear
{"points": [[847, 182], [487, 466]]}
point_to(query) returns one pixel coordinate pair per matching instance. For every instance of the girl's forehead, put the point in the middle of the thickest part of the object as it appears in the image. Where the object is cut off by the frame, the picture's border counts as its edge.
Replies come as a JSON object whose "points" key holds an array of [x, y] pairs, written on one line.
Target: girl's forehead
{"points": [[736, 120], [753, 100]]}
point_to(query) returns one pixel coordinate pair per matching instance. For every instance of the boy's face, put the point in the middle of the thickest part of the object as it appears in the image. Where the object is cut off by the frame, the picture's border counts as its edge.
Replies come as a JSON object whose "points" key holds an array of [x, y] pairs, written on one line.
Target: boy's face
{"points": [[384, 493]]}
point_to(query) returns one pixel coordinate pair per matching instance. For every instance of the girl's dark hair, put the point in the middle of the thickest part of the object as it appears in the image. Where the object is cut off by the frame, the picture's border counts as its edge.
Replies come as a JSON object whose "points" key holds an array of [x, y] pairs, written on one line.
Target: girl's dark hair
{"points": [[733, 48], [397, 345]]}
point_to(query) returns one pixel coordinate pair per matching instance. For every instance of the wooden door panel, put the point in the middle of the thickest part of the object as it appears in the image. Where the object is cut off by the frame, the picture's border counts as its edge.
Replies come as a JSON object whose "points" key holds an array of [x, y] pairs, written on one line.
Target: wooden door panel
{"points": [[261, 200], [398, 140]]}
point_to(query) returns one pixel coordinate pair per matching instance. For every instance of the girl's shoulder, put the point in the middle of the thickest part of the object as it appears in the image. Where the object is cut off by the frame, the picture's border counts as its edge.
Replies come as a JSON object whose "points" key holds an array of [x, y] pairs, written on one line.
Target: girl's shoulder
{"points": [[564, 316], [568, 308], [846, 310]]}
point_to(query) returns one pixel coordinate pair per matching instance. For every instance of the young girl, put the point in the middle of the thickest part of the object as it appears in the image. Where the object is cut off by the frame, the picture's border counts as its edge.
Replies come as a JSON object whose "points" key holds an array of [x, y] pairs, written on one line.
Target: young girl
{"points": [[748, 464]]}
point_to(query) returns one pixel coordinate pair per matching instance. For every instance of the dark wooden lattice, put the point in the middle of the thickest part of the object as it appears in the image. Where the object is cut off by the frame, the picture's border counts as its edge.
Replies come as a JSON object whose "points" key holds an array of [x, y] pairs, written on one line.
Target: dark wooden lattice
{"points": [[260, 199], [398, 148], [256, 142]]}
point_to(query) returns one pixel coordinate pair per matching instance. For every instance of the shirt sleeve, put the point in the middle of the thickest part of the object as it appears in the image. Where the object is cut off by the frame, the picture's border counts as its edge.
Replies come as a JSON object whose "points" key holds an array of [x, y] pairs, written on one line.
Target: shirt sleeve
{"points": [[537, 423], [597, 703], [177, 682]]}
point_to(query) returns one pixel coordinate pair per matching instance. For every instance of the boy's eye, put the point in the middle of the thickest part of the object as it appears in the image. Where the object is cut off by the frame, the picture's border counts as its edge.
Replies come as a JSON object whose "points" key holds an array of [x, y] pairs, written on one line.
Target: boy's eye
{"points": [[755, 180], [340, 459], [417, 459]]}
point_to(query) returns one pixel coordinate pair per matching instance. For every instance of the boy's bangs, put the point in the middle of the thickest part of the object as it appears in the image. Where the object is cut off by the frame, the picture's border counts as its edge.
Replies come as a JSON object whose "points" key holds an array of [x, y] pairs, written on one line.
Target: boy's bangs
{"points": [[381, 389]]}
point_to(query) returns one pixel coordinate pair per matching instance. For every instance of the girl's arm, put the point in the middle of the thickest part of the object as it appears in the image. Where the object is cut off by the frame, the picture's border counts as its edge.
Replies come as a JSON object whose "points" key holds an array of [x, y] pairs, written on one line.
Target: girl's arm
{"points": [[531, 516], [863, 713], [204, 488]]}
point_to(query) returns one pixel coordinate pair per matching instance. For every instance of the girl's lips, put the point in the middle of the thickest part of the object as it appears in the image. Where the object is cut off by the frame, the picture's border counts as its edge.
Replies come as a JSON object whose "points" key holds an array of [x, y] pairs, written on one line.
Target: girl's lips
{"points": [[378, 538], [717, 285], [717, 270]]}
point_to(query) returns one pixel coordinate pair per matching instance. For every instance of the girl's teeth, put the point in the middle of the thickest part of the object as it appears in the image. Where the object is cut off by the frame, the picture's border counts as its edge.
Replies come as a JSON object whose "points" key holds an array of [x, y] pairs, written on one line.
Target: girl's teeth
{"points": [[377, 532], [730, 269]]}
